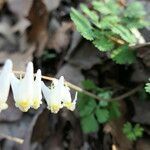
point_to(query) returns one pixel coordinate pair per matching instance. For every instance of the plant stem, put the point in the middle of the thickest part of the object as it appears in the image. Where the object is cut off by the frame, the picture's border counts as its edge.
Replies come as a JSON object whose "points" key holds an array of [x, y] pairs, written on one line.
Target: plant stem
{"points": [[79, 89], [11, 138]]}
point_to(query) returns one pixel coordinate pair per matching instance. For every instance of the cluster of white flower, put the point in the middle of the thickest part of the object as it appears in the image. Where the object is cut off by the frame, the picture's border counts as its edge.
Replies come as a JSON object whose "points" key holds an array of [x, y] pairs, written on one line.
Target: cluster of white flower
{"points": [[27, 91]]}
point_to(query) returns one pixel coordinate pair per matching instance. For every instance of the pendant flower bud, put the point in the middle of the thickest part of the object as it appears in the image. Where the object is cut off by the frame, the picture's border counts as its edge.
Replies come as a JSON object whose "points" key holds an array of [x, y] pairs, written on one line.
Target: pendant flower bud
{"points": [[5, 84], [37, 94], [23, 89], [53, 96]]}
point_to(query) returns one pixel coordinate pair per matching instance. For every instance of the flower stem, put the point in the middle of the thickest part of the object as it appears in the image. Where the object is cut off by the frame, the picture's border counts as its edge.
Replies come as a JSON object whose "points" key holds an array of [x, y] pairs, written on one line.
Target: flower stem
{"points": [[79, 89]]}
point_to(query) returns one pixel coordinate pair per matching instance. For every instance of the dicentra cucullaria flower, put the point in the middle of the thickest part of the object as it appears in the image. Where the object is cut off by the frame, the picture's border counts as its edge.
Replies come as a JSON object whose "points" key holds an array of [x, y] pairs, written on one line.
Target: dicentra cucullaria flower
{"points": [[23, 89], [58, 95], [37, 94], [27, 91], [5, 84]]}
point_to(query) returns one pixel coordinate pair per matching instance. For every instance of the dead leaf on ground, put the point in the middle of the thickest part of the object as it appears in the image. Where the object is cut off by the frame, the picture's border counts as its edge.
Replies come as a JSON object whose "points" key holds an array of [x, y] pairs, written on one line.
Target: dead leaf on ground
{"points": [[20, 129], [37, 33], [60, 39], [10, 41], [114, 127], [75, 40], [19, 59], [71, 73], [51, 4], [142, 113], [2, 2], [12, 113], [140, 73], [143, 144], [144, 54], [85, 56], [20, 8]]}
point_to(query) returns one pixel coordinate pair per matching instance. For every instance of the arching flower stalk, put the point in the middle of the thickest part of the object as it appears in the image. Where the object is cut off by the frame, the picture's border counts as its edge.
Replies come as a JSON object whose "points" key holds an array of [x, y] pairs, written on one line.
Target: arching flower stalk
{"points": [[5, 84]]}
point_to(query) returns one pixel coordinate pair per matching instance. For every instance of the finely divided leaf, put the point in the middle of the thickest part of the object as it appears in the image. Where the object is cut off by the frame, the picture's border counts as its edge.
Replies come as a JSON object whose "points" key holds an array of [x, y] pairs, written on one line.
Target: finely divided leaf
{"points": [[91, 14], [124, 33], [123, 55], [147, 88], [103, 44], [82, 24], [135, 9]]}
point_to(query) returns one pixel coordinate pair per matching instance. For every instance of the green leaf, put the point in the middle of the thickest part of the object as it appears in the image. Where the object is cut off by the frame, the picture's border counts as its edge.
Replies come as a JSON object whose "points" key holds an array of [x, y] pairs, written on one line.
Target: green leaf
{"points": [[83, 101], [105, 95], [135, 9], [147, 88], [132, 132], [82, 24], [89, 124], [134, 23], [123, 55], [103, 44], [102, 115], [91, 14], [138, 130], [110, 7], [103, 103], [114, 110], [124, 33], [89, 85], [101, 7], [88, 108], [107, 21], [127, 128]]}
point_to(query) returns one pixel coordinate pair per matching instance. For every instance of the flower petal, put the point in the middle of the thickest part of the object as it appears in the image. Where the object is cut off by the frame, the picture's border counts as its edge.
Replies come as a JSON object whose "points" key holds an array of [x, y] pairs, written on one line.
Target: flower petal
{"points": [[23, 89], [37, 95], [5, 83]]}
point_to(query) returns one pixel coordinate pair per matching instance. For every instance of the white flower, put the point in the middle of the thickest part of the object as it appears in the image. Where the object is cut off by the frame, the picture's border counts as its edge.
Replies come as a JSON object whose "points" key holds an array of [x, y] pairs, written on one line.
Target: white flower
{"points": [[5, 84], [23, 89], [67, 101], [66, 97], [37, 95], [58, 96], [53, 96]]}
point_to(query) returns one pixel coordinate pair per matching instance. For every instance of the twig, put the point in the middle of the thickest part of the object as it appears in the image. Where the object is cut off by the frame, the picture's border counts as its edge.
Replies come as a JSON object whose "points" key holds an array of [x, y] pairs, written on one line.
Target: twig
{"points": [[140, 45], [11, 138], [127, 94], [79, 89]]}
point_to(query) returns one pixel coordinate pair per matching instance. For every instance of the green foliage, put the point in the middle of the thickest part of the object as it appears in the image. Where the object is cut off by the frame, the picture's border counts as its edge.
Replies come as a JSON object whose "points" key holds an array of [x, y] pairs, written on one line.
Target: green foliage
{"points": [[102, 115], [124, 33], [134, 10], [103, 43], [132, 132], [123, 55], [106, 23], [82, 24], [147, 88], [89, 124], [94, 113]]}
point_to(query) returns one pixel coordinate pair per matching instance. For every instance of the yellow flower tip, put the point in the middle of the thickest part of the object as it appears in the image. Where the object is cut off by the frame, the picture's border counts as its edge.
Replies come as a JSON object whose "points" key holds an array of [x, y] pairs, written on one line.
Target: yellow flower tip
{"points": [[69, 105], [3, 106], [36, 103], [54, 108], [23, 105]]}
